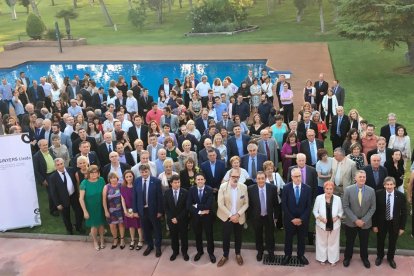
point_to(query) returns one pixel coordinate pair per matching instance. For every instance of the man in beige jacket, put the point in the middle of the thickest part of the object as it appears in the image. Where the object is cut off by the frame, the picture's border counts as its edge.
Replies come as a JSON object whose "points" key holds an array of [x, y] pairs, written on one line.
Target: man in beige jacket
{"points": [[343, 171], [233, 202]]}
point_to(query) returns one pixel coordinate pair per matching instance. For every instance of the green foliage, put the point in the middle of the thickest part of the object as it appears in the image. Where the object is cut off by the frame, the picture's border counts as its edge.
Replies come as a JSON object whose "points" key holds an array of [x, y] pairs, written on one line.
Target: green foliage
{"points": [[24, 3], [137, 16], [50, 34], [10, 2], [34, 26], [220, 15], [68, 13]]}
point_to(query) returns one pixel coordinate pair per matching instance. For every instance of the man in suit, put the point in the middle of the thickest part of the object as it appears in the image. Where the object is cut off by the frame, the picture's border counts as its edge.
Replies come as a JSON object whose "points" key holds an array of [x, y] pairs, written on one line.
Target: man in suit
{"points": [[343, 171], [125, 156], [200, 205], [225, 123], [175, 206], [237, 144], [44, 167], [39, 132], [138, 131], [83, 136], [201, 123], [296, 206], [390, 217], [279, 87], [211, 132], [106, 148], [114, 166], [384, 152], [170, 119], [249, 78], [64, 139], [339, 128], [359, 207], [233, 201], [136, 87], [25, 80], [203, 154], [375, 173], [339, 92], [187, 136], [36, 93], [308, 173], [268, 146], [264, 210], [65, 194], [253, 161], [166, 86], [306, 124], [310, 146], [321, 87], [154, 147], [148, 206], [390, 128], [213, 169], [47, 127], [293, 128], [99, 99], [73, 89], [144, 103], [85, 150], [120, 100], [241, 108]]}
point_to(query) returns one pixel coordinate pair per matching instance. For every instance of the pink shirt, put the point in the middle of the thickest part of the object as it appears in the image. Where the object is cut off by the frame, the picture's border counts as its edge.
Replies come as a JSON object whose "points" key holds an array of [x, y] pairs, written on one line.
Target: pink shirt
{"points": [[286, 94], [151, 115]]}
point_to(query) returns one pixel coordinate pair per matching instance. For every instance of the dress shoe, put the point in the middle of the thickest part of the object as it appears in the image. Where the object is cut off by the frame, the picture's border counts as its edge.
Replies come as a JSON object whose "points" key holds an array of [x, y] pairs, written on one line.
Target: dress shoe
{"points": [[378, 261], [212, 258], [222, 261], [259, 256], [271, 257], [198, 256], [303, 260], [239, 259], [147, 251], [286, 260], [173, 257], [186, 257], [346, 262], [158, 252], [366, 263], [392, 264]]}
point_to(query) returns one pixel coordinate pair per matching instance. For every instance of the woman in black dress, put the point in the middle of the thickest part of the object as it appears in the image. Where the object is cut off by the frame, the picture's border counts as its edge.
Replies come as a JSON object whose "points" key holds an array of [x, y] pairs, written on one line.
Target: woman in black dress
{"points": [[187, 176], [257, 125], [395, 168]]}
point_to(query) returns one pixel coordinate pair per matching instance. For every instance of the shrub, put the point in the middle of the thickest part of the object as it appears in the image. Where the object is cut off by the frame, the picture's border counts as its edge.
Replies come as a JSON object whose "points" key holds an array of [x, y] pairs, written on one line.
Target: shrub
{"points": [[137, 15], [34, 26], [50, 34]]}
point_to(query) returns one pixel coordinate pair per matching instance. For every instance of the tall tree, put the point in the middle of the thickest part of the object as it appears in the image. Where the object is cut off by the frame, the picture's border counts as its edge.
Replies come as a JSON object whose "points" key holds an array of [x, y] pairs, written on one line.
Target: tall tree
{"points": [[67, 15], [335, 4], [34, 7], [12, 5], [75, 4], [391, 23], [321, 19], [26, 4], [157, 6], [106, 14], [300, 7]]}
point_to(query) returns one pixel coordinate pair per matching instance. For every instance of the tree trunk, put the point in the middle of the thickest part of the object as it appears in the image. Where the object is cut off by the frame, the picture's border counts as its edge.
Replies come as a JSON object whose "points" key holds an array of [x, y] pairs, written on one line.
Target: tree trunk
{"points": [[181, 3], [75, 4], [106, 14], [13, 12], [410, 53], [159, 12], [53, 2], [191, 4], [268, 7], [321, 19], [67, 27], [34, 7], [336, 14], [299, 16], [169, 6]]}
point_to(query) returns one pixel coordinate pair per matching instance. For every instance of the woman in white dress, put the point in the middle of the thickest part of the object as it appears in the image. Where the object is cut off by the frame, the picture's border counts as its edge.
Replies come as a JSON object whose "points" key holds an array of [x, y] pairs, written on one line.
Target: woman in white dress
{"points": [[217, 87], [235, 165], [402, 142]]}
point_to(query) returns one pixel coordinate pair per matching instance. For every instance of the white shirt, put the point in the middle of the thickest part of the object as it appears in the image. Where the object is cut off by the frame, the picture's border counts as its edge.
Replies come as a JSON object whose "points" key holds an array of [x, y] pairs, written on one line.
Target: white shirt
{"points": [[203, 88], [391, 202], [167, 89], [383, 157], [234, 200], [131, 104], [126, 125], [47, 87], [68, 130], [69, 183], [118, 171]]}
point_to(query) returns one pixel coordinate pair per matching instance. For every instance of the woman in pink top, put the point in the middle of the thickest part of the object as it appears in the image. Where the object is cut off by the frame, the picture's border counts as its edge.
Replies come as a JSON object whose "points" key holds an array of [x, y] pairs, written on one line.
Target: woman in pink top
{"points": [[286, 97]]}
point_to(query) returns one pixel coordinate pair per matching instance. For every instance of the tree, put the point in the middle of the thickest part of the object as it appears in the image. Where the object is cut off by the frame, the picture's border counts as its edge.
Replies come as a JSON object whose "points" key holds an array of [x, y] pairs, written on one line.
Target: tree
{"points": [[26, 4], [12, 5], [321, 19], [391, 22], [67, 15], [335, 3], [34, 26], [34, 7], [300, 7], [137, 15], [106, 14], [75, 4]]}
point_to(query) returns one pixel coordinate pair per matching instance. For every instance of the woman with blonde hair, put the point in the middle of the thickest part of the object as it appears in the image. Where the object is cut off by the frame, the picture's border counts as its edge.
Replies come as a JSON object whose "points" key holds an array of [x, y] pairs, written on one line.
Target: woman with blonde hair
{"points": [[218, 144], [305, 108], [165, 176], [193, 130], [186, 154], [235, 162], [329, 105], [354, 119]]}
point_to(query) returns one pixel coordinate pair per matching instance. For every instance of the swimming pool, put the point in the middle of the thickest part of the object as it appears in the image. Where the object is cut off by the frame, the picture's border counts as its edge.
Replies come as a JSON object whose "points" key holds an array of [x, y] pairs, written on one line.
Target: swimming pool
{"points": [[149, 73]]}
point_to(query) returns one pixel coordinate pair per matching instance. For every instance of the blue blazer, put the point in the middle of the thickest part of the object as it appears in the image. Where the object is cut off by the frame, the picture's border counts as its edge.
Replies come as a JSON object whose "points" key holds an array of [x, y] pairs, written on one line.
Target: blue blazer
{"points": [[260, 159], [219, 173], [232, 146], [155, 199], [206, 202], [292, 210]]}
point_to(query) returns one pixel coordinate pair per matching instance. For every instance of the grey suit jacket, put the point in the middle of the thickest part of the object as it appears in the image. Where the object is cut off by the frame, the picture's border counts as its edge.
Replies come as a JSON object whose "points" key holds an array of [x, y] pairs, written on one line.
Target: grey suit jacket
{"points": [[352, 209], [340, 95], [65, 140], [230, 124], [149, 149], [272, 148], [174, 122]]}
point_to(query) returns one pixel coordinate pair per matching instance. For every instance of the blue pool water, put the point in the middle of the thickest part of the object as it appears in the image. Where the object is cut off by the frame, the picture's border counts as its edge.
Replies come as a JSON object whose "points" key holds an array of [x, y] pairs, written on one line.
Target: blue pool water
{"points": [[149, 73]]}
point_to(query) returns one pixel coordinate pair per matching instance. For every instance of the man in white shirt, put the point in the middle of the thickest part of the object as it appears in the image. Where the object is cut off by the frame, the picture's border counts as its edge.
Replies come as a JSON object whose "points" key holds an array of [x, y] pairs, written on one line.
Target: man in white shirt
{"points": [[203, 87], [69, 126], [144, 159]]}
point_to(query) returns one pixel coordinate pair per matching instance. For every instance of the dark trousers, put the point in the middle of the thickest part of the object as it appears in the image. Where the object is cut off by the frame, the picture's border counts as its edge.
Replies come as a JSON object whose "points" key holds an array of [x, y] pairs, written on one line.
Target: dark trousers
{"points": [[288, 112], [392, 240], [363, 235], [150, 225], [52, 206], [266, 224], [178, 232], [236, 228], [204, 223], [337, 141], [74, 203], [291, 230]]}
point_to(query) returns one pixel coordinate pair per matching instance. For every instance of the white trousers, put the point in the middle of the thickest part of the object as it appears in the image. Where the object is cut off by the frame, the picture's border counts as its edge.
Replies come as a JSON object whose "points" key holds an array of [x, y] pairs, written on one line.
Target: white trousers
{"points": [[327, 245]]}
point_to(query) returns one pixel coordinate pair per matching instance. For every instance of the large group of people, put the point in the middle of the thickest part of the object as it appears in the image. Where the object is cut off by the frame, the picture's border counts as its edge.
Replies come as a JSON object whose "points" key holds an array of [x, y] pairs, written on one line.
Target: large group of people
{"points": [[196, 151]]}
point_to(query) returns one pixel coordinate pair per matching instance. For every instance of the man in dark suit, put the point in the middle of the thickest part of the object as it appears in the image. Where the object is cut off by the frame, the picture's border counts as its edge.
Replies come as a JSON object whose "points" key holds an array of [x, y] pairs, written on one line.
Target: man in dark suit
{"points": [[321, 87], [36, 93], [114, 166], [390, 217], [213, 169], [202, 123], [148, 205], [105, 148], [310, 147], [200, 204], [125, 156], [73, 89], [306, 124], [237, 144], [175, 206], [99, 99], [375, 173], [225, 123], [39, 132], [279, 87], [309, 174], [120, 100], [25, 80], [83, 136], [339, 92], [203, 154], [296, 206], [211, 132], [138, 131], [268, 146], [241, 108], [144, 103], [64, 139], [264, 210], [339, 128], [253, 162], [384, 152], [85, 150], [65, 194], [390, 128], [187, 136], [166, 86]]}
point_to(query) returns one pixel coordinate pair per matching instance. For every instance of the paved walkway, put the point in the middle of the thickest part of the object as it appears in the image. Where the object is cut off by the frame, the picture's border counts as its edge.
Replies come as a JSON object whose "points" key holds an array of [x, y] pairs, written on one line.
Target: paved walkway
{"points": [[46, 257]]}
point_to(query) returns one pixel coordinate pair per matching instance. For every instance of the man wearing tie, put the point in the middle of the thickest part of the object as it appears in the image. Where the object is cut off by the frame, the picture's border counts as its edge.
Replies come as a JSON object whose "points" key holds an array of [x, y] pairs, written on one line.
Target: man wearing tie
{"points": [[213, 169], [106, 148], [200, 204], [233, 202], [305, 125], [359, 207], [390, 217], [339, 128], [343, 171], [296, 206], [264, 209], [65, 194], [138, 131], [175, 202], [148, 206], [268, 146], [339, 92], [375, 173], [310, 147], [225, 122], [253, 161], [237, 144]]}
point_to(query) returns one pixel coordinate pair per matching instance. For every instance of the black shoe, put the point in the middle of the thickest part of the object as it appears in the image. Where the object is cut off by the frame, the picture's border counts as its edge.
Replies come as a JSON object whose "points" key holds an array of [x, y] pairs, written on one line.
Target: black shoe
{"points": [[271, 257], [378, 261], [212, 258], [147, 251], [303, 260], [158, 252], [173, 257], [366, 263], [286, 260], [186, 257], [346, 262], [392, 264], [259, 256], [198, 256], [54, 213]]}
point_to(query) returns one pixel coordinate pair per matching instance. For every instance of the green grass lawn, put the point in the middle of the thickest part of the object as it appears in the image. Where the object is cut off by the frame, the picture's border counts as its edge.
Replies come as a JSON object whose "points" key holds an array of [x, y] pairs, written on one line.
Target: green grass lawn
{"points": [[369, 73]]}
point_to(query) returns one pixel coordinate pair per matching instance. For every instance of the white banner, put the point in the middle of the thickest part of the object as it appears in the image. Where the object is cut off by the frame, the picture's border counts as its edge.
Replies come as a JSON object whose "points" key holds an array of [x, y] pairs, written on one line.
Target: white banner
{"points": [[19, 206]]}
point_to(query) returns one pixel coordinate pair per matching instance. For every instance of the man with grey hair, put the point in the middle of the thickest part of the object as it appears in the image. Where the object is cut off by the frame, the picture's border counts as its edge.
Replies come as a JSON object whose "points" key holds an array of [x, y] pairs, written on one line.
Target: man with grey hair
{"points": [[73, 89], [144, 160], [343, 171], [268, 146], [253, 161], [293, 126], [375, 173], [339, 128], [390, 128], [159, 162]]}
